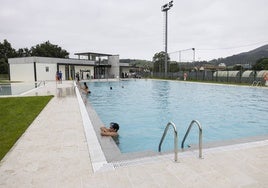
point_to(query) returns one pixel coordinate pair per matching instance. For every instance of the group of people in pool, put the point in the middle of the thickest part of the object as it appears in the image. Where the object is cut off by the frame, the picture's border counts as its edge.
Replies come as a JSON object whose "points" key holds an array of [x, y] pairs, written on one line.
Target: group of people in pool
{"points": [[114, 127]]}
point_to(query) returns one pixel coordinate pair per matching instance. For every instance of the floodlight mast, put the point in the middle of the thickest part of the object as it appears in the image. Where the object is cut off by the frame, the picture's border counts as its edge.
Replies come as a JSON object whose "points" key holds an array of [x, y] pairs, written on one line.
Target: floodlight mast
{"points": [[165, 9]]}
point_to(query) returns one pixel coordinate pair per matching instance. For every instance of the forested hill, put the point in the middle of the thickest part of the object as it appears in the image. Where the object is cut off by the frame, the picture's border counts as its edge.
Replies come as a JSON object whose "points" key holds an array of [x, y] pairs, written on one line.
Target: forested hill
{"points": [[244, 58], [249, 58]]}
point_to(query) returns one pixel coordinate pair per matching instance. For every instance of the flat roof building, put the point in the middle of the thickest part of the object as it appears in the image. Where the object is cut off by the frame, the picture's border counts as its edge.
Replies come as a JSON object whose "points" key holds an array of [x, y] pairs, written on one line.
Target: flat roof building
{"points": [[89, 65]]}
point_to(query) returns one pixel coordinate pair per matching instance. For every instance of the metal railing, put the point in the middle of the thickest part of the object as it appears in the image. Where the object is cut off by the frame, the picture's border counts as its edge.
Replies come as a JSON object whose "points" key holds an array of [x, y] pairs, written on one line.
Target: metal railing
{"points": [[256, 83], [175, 139], [200, 136], [41, 82]]}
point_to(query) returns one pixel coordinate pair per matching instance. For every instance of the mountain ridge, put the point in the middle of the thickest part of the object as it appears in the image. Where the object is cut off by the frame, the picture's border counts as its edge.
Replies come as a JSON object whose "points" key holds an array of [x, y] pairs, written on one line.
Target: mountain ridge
{"points": [[249, 58]]}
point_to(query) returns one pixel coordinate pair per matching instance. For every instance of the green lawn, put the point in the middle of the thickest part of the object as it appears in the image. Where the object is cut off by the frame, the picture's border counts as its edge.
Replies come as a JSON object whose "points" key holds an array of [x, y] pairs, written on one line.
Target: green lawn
{"points": [[16, 114]]}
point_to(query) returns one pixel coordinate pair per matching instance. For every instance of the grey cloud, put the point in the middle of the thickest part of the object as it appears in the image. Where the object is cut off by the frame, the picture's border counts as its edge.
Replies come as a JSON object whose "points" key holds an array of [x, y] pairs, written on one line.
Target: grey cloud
{"points": [[134, 29]]}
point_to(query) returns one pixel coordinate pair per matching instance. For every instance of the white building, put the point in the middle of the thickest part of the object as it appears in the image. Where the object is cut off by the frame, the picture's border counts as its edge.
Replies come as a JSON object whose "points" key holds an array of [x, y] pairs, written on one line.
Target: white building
{"points": [[89, 65]]}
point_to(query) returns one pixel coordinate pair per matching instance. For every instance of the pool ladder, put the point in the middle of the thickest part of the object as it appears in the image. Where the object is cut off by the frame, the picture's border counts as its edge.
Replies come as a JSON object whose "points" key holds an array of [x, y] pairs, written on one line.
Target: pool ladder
{"points": [[256, 83], [175, 139], [185, 136], [200, 136]]}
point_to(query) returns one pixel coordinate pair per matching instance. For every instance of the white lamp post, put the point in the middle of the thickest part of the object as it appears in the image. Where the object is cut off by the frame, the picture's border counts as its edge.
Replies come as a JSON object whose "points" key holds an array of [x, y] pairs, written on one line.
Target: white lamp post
{"points": [[165, 9]]}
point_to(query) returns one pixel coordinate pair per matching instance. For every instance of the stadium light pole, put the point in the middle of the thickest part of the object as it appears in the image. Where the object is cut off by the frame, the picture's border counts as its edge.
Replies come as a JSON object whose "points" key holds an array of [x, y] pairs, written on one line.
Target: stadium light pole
{"points": [[193, 54], [165, 9]]}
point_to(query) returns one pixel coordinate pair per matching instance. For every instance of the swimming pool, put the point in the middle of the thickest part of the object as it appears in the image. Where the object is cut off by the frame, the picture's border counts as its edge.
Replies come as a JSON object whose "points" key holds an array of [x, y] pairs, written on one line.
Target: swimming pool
{"points": [[144, 107], [16, 88]]}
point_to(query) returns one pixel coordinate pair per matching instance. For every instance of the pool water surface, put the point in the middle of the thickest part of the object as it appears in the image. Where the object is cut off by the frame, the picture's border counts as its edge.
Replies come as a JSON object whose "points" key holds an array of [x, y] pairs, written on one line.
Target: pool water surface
{"points": [[16, 88], [144, 107]]}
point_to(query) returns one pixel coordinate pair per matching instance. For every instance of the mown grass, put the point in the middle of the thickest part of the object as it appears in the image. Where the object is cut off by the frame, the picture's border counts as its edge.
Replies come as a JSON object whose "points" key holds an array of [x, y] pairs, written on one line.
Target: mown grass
{"points": [[16, 114]]}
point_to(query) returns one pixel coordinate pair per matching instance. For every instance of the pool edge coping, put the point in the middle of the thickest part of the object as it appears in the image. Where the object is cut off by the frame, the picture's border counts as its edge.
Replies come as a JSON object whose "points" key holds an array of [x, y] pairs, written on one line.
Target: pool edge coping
{"points": [[98, 159]]}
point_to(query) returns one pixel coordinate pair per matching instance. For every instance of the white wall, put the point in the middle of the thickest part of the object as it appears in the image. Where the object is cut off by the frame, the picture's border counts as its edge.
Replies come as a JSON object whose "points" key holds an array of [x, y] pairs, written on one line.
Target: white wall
{"points": [[114, 62], [22, 72], [42, 73], [22, 69]]}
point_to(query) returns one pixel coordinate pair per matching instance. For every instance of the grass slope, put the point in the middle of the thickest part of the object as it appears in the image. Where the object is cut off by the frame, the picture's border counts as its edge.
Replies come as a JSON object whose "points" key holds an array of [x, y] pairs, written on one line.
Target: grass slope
{"points": [[16, 114]]}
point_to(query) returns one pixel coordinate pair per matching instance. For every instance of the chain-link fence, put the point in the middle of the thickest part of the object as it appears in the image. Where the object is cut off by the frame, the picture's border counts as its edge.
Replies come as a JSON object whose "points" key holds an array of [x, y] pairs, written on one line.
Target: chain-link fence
{"points": [[248, 76]]}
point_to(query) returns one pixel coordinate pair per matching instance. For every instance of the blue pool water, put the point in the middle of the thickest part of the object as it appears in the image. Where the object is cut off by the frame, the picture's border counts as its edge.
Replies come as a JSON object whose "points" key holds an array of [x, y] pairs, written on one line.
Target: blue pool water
{"points": [[144, 107], [15, 88]]}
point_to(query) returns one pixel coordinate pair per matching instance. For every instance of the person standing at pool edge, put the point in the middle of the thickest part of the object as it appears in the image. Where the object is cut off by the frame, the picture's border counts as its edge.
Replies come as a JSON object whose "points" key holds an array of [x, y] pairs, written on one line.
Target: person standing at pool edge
{"points": [[60, 77], [112, 131]]}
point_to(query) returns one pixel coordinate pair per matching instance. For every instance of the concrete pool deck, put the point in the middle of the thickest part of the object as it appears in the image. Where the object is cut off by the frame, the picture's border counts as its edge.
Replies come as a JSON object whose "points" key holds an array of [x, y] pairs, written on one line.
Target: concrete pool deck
{"points": [[54, 152]]}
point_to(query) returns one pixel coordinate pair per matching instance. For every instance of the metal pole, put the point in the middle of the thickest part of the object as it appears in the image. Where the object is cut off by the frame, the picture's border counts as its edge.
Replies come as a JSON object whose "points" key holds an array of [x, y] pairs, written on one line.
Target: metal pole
{"points": [[165, 9], [193, 55], [166, 36]]}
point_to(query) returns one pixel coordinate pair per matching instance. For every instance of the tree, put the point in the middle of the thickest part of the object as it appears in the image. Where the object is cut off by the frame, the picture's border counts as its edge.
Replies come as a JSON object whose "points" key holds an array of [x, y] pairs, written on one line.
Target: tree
{"points": [[159, 62], [47, 49], [174, 67], [44, 50], [238, 67], [23, 52], [6, 51], [261, 64]]}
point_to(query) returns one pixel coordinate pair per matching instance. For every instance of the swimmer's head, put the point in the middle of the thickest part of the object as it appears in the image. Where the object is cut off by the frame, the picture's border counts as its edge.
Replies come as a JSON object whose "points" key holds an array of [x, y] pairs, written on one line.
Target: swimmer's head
{"points": [[114, 126]]}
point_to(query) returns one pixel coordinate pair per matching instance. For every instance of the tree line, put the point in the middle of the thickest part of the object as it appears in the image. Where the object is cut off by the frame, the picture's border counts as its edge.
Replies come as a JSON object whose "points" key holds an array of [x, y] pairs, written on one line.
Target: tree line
{"points": [[45, 49], [159, 64], [48, 49]]}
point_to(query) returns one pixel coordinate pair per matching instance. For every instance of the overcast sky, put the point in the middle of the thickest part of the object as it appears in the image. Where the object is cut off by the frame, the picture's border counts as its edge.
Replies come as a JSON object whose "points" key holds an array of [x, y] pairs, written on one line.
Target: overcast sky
{"points": [[135, 28]]}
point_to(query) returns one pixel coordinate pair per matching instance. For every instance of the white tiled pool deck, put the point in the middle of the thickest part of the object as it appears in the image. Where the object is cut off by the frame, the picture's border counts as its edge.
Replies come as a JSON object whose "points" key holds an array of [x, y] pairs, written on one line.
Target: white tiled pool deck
{"points": [[53, 152]]}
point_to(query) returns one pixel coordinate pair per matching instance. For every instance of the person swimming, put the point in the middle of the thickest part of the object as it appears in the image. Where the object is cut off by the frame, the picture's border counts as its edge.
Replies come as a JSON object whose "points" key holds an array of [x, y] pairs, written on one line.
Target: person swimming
{"points": [[86, 89], [112, 131]]}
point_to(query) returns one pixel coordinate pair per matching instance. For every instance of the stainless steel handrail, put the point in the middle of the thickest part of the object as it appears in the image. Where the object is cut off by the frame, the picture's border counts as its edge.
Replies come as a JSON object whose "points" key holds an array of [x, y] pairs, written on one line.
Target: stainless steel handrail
{"points": [[44, 82], [200, 136], [253, 83], [175, 139], [256, 83]]}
